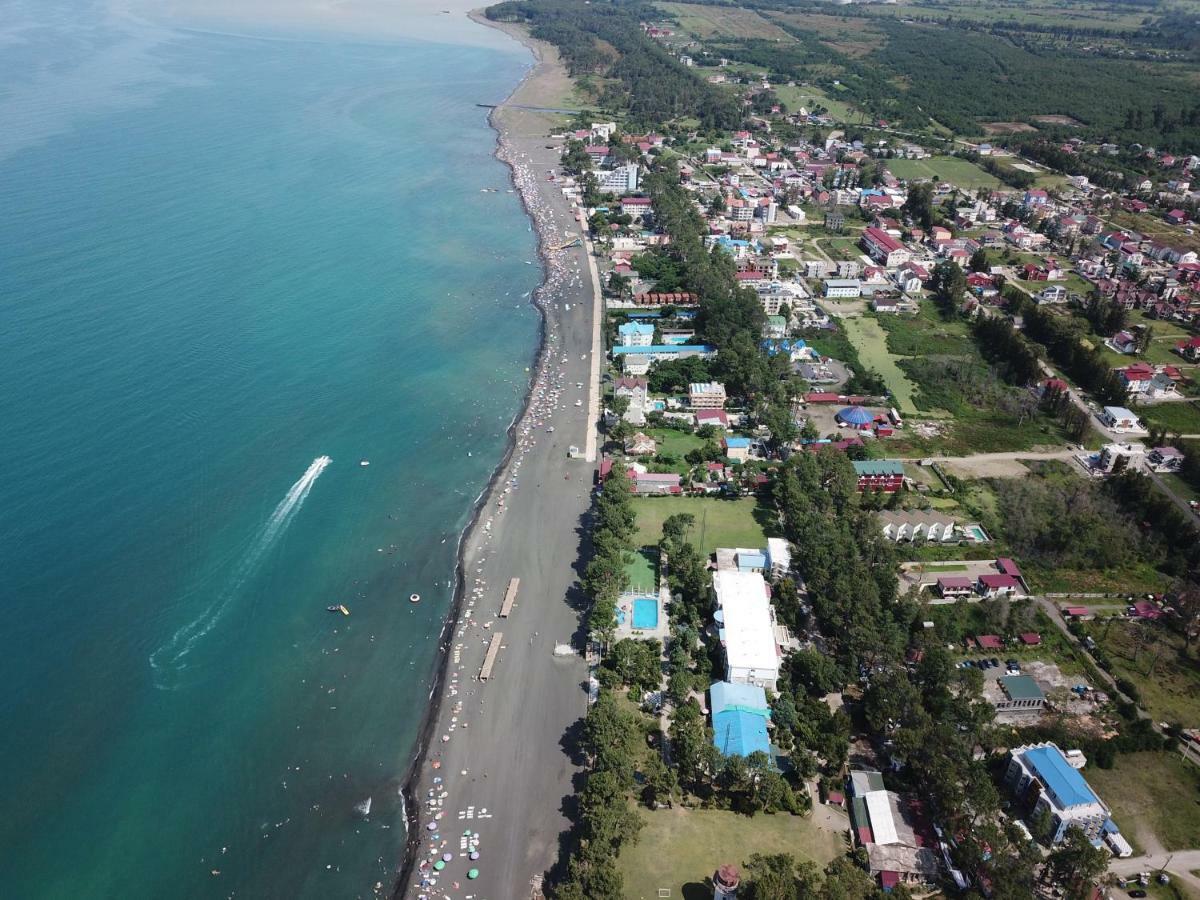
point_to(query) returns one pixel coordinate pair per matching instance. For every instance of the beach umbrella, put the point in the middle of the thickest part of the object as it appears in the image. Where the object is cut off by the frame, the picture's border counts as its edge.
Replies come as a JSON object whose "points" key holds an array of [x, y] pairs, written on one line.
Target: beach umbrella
{"points": [[432, 826], [439, 865], [473, 874], [474, 854], [447, 856]]}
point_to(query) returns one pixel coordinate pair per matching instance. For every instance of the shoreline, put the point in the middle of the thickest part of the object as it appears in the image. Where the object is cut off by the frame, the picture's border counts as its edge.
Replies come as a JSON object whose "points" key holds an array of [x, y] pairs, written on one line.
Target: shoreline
{"points": [[410, 784]]}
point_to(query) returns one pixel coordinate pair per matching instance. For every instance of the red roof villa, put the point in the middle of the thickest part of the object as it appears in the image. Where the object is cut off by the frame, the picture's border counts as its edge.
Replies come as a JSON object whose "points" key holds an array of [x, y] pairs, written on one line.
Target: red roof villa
{"points": [[998, 585], [955, 585]]}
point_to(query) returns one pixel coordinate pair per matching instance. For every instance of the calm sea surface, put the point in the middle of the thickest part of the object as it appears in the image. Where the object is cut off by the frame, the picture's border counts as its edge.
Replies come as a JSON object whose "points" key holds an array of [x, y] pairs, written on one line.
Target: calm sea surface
{"points": [[223, 258]]}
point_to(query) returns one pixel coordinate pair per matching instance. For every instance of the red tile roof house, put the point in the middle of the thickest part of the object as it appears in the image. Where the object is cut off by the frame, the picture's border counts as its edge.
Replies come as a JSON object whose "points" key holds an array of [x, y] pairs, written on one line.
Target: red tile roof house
{"points": [[949, 586], [1031, 638], [1189, 349], [998, 585], [989, 642], [716, 417], [1144, 609], [1007, 567], [655, 482], [884, 248]]}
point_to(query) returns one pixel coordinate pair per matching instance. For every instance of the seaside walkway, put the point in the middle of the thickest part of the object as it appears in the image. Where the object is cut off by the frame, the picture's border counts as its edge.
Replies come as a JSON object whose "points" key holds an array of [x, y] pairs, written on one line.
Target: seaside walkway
{"points": [[590, 450]]}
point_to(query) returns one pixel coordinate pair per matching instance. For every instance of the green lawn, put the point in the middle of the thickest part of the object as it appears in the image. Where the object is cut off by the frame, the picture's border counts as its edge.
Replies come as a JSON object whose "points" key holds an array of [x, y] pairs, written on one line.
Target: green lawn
{"points": [[642, 569], [870, 340], [674, 443], [719, 522], [715, 21], [959, 172], [1180, 487], [796, 96], [926, 333], [679, 848], [1153, 792], [845, 247], [1139, 578], [1152, 657], [1177, 416]]}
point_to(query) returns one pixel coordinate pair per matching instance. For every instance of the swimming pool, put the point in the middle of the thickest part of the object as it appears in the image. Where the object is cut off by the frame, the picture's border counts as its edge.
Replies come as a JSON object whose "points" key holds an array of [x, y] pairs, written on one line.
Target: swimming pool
{"points": [[976, 533], [645, 613]]}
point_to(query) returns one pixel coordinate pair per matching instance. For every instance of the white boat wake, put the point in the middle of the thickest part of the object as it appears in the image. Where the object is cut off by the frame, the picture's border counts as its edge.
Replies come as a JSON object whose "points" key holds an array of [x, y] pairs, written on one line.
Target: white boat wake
{"points": [[171, 656]]}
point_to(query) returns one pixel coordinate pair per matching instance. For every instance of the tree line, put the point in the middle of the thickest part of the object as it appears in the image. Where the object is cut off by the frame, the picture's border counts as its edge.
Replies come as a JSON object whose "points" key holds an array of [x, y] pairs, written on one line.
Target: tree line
{"points": [[649, 87]]}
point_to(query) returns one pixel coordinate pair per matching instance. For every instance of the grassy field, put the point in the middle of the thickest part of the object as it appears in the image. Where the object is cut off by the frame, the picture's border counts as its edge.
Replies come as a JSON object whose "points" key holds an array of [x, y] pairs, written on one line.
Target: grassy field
{"points": [[1180, 487], [808, 96], [870, 340], [642, 569], [1178, 416], [719, 523], [679, 848], [1140, 578], [1155, 793], [718, 21], [844, 247], [1078, 14], [853, 37], [674, 443], [1152, 657], [927, 333], [959, 172]]}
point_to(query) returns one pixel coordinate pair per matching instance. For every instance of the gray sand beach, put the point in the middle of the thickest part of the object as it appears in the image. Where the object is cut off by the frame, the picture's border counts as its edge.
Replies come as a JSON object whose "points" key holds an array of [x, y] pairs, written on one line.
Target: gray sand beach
{"points": [[497, 763]]}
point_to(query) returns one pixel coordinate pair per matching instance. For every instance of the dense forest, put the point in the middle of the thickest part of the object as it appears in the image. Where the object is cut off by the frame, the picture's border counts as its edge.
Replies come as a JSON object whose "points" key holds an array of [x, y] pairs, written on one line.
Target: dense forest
{"points": [[648, 86], [961, 74]]}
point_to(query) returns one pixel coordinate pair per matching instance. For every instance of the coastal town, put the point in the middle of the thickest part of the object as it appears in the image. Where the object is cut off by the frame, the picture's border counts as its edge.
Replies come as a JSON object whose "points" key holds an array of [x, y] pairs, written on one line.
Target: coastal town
{"points": [[890, 456]]}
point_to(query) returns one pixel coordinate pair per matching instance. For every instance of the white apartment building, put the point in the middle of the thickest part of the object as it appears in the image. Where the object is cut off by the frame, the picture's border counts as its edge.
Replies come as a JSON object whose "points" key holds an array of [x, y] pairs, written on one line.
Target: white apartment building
{"points": [[621, 180], [746, 624], [706, 395]]}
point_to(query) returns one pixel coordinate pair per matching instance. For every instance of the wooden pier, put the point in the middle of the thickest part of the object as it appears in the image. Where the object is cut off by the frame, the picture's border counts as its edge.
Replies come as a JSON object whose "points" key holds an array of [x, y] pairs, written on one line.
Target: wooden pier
{"points": [[510, 597], [489, 660]]}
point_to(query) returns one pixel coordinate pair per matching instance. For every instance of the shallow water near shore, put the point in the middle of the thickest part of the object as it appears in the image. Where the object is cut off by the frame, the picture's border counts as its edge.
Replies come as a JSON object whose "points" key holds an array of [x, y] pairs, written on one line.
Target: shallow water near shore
{"points": [[226, 258]]}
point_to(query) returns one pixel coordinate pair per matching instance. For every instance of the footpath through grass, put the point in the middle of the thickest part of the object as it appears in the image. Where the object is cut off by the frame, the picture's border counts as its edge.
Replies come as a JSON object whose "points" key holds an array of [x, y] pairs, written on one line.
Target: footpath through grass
{"points": [[679, 848], [736, 522], [870, 340], [1152, 792]]}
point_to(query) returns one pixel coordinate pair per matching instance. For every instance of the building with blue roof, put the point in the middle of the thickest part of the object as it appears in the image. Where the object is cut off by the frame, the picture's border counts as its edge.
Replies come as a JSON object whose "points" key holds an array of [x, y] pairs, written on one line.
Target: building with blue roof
{"points": [[796, 348], [739, 716], [636, 360], [856, 417], [1041, 775], [636, 334]]}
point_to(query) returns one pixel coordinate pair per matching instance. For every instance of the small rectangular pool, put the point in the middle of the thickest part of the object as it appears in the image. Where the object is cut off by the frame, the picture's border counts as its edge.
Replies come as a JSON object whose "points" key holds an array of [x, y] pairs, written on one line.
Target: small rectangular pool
{"points": [[976, 533], [645, 613]]}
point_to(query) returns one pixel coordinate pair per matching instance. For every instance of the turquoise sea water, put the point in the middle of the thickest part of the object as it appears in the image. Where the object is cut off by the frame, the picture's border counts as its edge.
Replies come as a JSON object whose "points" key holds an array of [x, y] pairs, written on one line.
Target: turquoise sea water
{"points": [[223, 257]]}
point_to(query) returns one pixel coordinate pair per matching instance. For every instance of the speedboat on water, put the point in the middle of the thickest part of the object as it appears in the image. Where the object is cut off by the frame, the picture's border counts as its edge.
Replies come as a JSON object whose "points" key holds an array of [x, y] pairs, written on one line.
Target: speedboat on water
{"points": [[339, 608], [364, 462]]}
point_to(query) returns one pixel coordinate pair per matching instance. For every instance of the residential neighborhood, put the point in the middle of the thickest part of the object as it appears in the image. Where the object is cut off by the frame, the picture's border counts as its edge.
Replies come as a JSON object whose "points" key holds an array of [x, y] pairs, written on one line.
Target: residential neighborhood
{"points": [[907, 466]]}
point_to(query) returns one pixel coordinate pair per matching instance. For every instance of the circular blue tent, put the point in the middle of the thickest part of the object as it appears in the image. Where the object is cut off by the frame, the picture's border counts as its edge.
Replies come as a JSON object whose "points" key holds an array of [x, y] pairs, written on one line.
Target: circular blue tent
{"points": [[856, 416]]}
